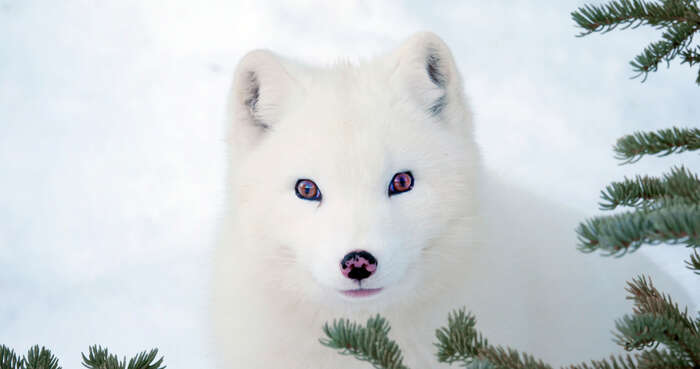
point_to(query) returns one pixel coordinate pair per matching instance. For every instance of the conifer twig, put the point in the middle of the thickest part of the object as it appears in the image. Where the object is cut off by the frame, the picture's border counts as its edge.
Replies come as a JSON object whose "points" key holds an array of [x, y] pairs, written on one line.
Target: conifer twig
{"points": [[100, 358], [694, 262], [459, 341], [368, 343], [644, 192], [41, 358], [680, 20], [9, 360], [674, 223], [663, 142]]}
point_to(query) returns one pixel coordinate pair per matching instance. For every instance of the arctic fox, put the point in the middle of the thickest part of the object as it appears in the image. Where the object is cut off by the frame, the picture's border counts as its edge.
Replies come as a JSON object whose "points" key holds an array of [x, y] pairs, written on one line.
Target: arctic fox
{"points": [[359, 189]]}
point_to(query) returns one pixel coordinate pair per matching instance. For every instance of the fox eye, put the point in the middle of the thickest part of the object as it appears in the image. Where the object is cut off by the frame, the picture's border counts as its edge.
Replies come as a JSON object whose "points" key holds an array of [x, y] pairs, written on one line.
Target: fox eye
{"points": [[401, 182], [306, 189]]}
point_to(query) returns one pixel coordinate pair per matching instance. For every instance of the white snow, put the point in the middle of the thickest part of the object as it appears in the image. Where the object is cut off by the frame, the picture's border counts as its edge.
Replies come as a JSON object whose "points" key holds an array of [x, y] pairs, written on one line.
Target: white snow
{"points": [[112, 155]]}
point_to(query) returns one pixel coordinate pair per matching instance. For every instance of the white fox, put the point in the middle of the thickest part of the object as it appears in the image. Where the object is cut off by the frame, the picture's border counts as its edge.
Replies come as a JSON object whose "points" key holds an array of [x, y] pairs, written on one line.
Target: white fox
{"points": [[359, 189]]}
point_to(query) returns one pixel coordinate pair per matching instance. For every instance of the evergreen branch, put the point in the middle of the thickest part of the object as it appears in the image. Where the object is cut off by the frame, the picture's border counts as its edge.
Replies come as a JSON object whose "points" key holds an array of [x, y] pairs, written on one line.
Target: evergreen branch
{"points": [[679, 18], [691, 57], [657, 319], [674, 40], [507, 358], [640, 331], [459, 341], [9, 360], [664, 142], [694, 262], [41, 359], [621, 362], [665, 359], [100, 358], [369, 343], [644, 191], [617, 234], [634, 13], [648, 300], [146, 361]]}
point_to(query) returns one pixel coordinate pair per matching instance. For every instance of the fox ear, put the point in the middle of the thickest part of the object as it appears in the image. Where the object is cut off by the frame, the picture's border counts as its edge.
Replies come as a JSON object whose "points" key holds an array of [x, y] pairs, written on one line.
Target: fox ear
{"points": [[424, 66], [261, 87]]}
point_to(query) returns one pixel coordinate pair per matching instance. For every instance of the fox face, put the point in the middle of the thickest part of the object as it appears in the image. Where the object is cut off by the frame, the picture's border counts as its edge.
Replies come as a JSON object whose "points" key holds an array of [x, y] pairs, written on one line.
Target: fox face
{"points": [[348, 182]]}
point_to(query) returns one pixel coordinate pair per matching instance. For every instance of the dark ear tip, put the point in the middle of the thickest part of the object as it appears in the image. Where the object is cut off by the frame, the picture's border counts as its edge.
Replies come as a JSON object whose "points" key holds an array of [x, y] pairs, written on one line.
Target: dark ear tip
{"points": [[252, 93], [436, 71], [436, 56]]}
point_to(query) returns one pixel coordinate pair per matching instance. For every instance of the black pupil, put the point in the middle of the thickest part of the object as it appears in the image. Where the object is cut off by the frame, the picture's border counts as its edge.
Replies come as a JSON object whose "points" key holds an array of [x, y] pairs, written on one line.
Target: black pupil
{"points": [[307, 188], [402, 180]]}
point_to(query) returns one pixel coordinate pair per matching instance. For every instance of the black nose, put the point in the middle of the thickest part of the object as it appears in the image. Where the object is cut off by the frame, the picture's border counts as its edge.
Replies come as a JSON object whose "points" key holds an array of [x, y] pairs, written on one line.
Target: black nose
{"points": [[358, 265]]}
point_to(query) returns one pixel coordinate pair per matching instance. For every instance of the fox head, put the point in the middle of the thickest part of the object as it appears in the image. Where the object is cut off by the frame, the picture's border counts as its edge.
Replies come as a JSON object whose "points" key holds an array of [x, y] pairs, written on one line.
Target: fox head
{"points": [[351, 183]]}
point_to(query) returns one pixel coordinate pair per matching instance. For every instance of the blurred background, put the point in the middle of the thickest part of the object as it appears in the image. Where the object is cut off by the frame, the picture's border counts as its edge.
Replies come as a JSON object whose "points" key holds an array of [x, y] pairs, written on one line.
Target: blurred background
{"points": [[112, 152]]}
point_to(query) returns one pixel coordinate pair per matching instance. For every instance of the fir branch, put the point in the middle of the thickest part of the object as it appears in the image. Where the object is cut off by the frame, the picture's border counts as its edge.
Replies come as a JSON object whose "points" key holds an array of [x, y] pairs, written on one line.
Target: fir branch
{"points": [[634, 13], [460, 341], [679, 18], [644, 191], [507, 358], [640, 331], [675, 222], [621, 362], [674, 41], [9, 360], [648, 300], [663, 142], [100, 358], [370, 343], [694, 262], [663, 359], [658, 320], [41, 359]]}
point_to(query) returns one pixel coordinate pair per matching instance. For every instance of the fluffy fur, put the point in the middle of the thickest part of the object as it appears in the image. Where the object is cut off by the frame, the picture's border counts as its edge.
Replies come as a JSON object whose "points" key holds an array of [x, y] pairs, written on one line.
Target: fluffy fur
{"points": [[460, 237]]}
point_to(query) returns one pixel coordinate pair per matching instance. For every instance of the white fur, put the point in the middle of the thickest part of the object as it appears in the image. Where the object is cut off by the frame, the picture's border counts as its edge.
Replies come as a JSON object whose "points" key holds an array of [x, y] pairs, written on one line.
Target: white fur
{"points": [[460, 237]]}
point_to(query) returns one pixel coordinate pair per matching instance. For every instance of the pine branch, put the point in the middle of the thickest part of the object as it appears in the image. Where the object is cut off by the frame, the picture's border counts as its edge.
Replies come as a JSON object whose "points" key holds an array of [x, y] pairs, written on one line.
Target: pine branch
{"points": [[694, 262], [640, 331], [664, 142], [100, 358], [370, 343], [679, 18], [663, 359], [674, 41], [644, 192], [634, 13], [507, 358], [9, 360], [691, 57], [658, 320], [621, 362], [648, 300], [41, 359], [459, 341], [675, 222], [146, 361]]}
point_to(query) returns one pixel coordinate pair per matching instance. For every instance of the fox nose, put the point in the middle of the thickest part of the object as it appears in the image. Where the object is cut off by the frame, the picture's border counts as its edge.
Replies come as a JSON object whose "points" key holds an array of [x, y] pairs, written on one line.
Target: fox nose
{"points": [[358, 265]]}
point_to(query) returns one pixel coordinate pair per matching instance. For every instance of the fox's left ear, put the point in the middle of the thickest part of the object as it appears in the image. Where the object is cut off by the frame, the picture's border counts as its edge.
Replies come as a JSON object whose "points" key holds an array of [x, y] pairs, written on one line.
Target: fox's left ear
{"points": [[260, 92], [424, 67]]}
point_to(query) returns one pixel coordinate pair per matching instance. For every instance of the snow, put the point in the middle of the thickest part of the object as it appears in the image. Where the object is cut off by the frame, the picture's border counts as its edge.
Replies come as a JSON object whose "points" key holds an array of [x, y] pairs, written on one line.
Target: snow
{"points": [[112, 154]]}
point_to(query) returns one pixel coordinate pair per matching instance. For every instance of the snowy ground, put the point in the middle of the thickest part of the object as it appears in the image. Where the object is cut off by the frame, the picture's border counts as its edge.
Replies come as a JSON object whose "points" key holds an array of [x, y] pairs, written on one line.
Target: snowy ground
{"points": [[111, 150]]}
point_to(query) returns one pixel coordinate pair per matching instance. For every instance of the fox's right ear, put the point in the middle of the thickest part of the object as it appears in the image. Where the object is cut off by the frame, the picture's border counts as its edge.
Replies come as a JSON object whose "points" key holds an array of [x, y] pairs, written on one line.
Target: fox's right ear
{"points": [[261, 86]]}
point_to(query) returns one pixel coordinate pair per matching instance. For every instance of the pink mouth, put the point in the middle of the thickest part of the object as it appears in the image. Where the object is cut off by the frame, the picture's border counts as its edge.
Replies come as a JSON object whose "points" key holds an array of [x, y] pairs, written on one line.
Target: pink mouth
{"points": [[361, 292]]}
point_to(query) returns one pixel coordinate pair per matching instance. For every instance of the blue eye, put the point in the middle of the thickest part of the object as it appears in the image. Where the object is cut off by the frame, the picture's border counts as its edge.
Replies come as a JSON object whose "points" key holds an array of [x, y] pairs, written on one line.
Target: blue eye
{"points": [[402, 182], [306, 189]]}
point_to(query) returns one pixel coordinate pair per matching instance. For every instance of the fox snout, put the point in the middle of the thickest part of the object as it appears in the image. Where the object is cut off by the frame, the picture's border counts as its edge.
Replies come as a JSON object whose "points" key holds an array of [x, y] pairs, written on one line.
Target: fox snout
{"points": [[358, 265]]}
